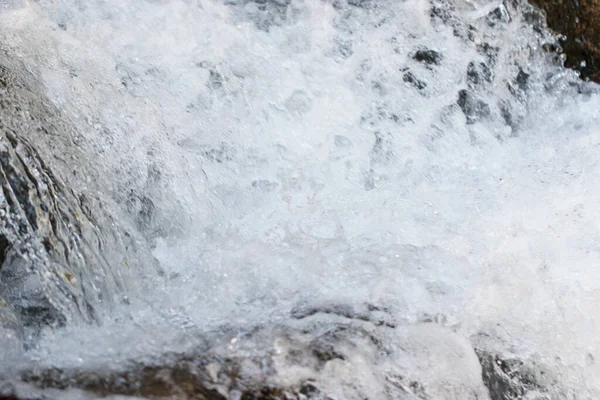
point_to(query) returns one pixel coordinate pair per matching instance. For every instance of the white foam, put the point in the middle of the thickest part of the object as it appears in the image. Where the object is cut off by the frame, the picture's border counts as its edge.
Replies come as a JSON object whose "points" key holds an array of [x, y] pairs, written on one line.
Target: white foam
{"points": [[274, 191]]}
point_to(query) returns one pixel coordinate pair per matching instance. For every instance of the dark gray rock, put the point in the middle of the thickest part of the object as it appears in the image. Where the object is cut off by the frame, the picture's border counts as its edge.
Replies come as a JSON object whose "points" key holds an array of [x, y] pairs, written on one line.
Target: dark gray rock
{"points": [[499, 15], [265, 14], [512, 113], [381, 113], [360, 3], [143, 208], [478, 73], [522, 79], [428, 56], [474, 108], [367, 312], [511, 378], [444, 11], [409, 77], [489, 51]]}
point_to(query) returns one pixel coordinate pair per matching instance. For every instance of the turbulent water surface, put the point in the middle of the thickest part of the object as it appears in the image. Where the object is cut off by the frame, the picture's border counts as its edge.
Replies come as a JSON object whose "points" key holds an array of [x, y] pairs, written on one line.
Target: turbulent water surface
{"points": [[393, 182]]}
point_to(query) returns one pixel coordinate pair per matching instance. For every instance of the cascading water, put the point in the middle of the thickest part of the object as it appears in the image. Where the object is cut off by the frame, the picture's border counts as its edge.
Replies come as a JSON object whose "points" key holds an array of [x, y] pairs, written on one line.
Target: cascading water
{"points": [[420, 173]]}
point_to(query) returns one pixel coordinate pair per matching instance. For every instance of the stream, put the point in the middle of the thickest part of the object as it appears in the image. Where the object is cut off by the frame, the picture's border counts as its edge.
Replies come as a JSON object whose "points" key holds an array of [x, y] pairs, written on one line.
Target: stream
{"points": [[297, 199]]}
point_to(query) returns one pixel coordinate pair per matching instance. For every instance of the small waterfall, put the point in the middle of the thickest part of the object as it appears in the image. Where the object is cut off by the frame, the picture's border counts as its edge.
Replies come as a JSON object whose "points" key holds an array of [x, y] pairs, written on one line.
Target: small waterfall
{"points": [[297, 199]]}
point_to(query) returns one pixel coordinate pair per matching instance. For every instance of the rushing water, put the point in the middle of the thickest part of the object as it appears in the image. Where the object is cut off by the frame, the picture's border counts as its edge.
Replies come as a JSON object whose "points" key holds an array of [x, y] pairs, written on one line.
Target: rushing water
{"points": [[431, 158]]}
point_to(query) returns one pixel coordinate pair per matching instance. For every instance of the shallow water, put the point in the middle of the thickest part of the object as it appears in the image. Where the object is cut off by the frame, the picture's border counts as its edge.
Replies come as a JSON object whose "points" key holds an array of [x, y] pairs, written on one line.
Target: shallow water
{"points": [[279, 154]]}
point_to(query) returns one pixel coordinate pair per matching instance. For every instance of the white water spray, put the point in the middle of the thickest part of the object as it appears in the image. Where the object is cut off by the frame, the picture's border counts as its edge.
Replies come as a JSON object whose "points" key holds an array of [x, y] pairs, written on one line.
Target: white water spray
{"points": [[299, 153]]}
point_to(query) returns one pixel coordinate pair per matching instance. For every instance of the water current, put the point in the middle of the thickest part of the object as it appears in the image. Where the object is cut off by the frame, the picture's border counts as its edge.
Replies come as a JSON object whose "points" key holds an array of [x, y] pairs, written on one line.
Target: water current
{"points": [[429, 158]]}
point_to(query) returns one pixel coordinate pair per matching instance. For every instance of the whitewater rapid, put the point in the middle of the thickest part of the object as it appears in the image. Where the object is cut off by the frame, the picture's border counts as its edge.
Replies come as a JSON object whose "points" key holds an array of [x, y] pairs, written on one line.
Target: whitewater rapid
{"points": [[284, 154]]}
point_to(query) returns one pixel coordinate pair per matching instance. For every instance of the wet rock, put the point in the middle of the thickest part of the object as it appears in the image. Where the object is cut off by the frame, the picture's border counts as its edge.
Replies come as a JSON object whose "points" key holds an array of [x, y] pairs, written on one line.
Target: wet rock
{"points": [[519, 85], [382, 153], [579, 23], [310, 390], [478, 73], [511, 378], [474, 108], [490, 52], [265, 14], [445, 11], [143, 208], [522, 80], [427, 56], [315, 359], [210, 375], [499, 15], [536, 18], [513, 113], [406, 387], [366, 312], [11, 333], [409, 77], [52, 267], [442, 12], [381, 113], [359, 3], [215, 80]]}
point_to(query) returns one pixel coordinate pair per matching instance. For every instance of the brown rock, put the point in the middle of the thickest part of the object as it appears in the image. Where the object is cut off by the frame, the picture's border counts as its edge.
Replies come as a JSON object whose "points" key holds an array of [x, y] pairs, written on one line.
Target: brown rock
{"points": [[579, 21]]}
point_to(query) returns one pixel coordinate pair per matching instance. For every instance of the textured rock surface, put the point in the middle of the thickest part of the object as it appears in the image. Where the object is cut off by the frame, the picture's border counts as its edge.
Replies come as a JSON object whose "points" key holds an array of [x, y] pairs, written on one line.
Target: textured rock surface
{"points": [[327, 351], [55, 264], [579, 22], [323, 356], [319, 358], [512, 378]]}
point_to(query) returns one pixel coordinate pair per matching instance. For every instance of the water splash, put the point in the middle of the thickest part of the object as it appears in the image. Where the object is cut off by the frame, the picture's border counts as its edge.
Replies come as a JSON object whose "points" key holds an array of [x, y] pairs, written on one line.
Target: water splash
{"points": [[428, 157]]}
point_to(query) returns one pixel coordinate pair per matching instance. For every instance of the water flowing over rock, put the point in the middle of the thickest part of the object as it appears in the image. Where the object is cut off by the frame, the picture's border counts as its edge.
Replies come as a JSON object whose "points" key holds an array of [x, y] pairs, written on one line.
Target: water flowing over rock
{"points": [[59, 260], [424, 361], [289, 199]]}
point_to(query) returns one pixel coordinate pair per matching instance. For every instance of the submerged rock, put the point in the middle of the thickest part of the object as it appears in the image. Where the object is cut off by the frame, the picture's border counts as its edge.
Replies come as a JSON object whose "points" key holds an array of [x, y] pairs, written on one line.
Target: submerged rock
{"points": [[320, 357], [323, 356], [409, 77], [474, 108]]}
